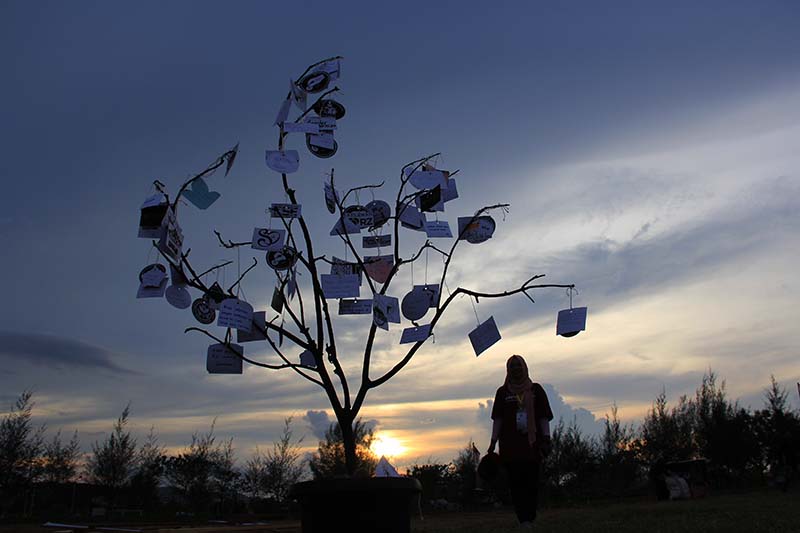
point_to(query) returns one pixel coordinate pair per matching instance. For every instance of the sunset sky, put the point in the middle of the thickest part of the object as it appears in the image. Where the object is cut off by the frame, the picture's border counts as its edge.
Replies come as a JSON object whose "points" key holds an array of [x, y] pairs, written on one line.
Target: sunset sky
{"points": [[649, 153]]}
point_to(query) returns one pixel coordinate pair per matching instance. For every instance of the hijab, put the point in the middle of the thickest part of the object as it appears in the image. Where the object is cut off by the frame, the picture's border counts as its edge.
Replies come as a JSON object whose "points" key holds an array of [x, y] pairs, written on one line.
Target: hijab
{"points": [[522, 387]]}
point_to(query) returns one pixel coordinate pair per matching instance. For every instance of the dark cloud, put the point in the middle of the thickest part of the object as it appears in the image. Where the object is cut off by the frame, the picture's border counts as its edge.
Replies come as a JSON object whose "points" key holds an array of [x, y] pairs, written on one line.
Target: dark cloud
{"points": [[58, 352], [319, 422]]}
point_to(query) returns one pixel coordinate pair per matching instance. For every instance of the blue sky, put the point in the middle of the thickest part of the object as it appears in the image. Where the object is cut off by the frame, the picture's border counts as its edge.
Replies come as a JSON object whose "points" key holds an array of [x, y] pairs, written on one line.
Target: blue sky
{"points": [[649, 154]]}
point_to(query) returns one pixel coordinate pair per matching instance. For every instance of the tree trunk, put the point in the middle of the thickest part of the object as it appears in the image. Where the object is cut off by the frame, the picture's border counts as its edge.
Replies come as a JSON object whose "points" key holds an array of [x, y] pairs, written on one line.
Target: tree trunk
{"points": [[349, 441]]}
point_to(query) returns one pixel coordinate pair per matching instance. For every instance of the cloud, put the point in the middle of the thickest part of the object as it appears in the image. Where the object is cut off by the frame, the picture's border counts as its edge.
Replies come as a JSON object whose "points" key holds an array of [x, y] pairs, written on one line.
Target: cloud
{"points": [[319, 422], [583, 418], [58, 352]]}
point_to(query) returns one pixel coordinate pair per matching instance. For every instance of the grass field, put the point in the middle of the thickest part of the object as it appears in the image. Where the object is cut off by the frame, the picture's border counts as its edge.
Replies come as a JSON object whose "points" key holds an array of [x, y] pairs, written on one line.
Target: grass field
{"points": [[751, 512], [756, 512]]}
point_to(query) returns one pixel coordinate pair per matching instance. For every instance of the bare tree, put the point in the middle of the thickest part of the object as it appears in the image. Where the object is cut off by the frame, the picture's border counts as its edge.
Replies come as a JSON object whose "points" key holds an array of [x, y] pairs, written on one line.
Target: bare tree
{"points": [[308, 324]]}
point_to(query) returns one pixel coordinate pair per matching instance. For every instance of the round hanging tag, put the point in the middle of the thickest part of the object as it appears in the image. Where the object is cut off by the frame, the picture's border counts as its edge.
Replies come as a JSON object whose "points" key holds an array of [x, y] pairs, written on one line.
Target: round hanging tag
{"points": [[202, 311], [282, 259], [178, 296], [314, 82], [380, 213], [329, 108], [415, 304], [480, 230], [319, 151]]}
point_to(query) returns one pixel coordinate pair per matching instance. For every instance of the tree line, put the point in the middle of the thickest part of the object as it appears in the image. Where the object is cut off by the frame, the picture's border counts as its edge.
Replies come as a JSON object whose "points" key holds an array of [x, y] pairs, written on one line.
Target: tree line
{"points": [[736, 446]]}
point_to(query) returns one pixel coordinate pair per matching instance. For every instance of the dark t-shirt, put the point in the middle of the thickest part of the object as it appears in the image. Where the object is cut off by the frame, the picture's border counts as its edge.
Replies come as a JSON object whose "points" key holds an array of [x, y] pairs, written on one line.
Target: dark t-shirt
{"points": [[514, 443]]}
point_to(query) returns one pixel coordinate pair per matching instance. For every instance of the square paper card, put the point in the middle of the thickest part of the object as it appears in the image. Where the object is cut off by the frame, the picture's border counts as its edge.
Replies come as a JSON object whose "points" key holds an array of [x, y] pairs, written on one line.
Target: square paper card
{"points": [[484, 336]]}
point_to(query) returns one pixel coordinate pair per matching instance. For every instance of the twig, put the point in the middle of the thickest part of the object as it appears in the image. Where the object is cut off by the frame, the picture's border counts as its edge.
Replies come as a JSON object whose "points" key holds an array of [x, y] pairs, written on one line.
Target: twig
{"points": [[230, 243], [251, 267]]}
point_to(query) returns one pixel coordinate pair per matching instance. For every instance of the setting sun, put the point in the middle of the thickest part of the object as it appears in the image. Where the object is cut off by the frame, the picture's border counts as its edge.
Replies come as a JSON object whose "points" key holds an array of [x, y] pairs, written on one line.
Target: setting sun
{"points": [[387, 446]]}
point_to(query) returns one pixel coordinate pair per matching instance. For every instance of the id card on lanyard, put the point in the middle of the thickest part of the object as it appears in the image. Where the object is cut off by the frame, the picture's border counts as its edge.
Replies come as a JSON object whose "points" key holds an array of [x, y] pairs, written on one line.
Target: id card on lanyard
{"points": [[522, 415]]}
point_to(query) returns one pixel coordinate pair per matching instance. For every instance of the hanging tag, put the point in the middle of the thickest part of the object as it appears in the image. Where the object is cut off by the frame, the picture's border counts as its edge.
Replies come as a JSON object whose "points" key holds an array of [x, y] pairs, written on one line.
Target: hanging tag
{"points": [[345, 286], [257, 329], [571, 321], [199, 195], [235, 313], [268, 239], [484, 336], [385, 309], [415, 334], [220, 359], [355, 307]]}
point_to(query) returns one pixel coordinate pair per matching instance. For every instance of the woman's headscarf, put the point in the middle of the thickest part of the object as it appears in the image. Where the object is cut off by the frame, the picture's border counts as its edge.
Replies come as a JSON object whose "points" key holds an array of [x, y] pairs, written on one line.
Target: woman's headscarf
{"points": [[523, 387]]}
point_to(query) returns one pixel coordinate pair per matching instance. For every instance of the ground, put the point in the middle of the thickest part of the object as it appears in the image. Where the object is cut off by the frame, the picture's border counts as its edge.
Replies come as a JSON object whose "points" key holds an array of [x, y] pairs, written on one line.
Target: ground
{"points": [[762, 511]]}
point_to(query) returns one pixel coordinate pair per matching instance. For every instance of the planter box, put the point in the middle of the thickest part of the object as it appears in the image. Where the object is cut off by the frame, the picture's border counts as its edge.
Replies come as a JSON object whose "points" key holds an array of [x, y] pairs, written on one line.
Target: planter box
{"points": [[357, 505]]}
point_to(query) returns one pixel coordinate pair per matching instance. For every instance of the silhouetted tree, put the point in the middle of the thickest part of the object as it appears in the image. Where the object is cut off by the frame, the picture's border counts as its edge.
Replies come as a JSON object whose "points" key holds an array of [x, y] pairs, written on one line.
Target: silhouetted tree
{"points": [[60, 460], [779, 432], [572, 461], [150, 461], [113, 462], [617, 449], [667, 435], [20, 447]]}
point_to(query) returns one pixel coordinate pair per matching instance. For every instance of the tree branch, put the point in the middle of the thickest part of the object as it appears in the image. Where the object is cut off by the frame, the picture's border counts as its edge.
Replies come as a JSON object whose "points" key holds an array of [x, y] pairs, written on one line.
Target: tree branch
{"points": [[251, 267]]}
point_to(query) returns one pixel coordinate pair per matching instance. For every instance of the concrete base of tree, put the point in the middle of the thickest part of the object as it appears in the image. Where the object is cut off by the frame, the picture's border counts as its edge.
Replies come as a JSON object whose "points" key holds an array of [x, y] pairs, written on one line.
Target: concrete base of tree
{"points": [[357, 505]]}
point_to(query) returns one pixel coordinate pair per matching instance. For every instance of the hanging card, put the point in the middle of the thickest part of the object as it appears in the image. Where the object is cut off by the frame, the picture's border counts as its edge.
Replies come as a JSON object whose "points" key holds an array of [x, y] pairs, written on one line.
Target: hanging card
{"points": [[428, 199], [299, 96], [268, 239], [171, 241], [277, 300], [355, 307], [381, 212], [344, 227], [432, 290], [415, 304], [476, 229], [178, 296], [151, 219], [301, 127], [152, 292], [334, 286], [283, 112], [221, 359], [411, 218], [319, 151], [199, 194], [438, 229], [358, 216], [415, 334], [331, 197], [377, 241], [332, 67], [324, 124], [428, 179], [203, 312], [283, 258], [153, 275], [235, 313], [484, 336], [285, 210], [385, 309], [378, 267], [571, 321], [328, 107], [307, 359], [314, 82], [283, 161], [341, 267], [321, 140], [257, 329]]}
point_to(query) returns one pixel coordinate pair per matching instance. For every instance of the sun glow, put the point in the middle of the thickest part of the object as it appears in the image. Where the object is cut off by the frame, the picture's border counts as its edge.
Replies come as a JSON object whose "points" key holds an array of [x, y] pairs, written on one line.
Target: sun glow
{"points": [[387, 446]]}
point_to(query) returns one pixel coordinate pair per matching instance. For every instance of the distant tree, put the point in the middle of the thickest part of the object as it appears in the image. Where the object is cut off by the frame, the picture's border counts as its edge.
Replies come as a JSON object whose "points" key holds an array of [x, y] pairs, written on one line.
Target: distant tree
{"points": [[283, 464], [779, 432], [329, 459], [433, 477], [617, 450], [667, 435], [112, 462], [572, 461], [465, 471], [60, 460], [150, 461], [205, 472], [20, 447]]}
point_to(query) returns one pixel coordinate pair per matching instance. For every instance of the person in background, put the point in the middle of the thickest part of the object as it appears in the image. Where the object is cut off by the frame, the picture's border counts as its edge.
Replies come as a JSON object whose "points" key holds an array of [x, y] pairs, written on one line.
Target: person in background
{"points": [[521, 415]]}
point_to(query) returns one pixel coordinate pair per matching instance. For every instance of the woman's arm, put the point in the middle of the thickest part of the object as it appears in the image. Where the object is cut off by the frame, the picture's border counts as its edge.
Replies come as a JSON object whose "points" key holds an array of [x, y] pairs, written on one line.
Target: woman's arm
{"points": [[496, 425]]}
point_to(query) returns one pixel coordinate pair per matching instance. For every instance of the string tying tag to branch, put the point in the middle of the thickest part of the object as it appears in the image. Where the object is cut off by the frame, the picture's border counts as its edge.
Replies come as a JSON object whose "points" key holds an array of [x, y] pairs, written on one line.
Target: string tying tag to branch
{"points": [[475, 309], [570, 291]]}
